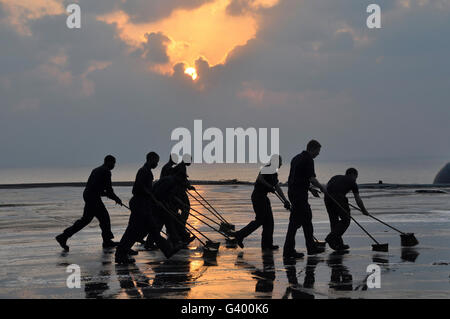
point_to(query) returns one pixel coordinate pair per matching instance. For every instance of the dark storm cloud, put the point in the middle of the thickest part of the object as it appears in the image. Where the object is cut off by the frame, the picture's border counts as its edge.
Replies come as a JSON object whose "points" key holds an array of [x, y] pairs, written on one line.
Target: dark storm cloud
{"points": [[140, 11], [240, 7], [2, 12], [94, 7], [237, 7], [145, 11], [155, 49]]}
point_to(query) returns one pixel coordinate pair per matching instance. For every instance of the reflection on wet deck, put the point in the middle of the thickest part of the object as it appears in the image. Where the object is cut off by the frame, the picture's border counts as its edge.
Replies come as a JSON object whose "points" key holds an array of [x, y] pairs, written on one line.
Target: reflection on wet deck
{"points": [[233, 274], [32, 266]]}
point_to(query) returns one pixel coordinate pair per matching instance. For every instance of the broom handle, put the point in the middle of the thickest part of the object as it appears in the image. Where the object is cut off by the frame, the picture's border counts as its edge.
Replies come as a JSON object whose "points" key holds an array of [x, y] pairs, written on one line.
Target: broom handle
{"points": [[177, 220], [212, 227], [206, 217], [379, 220], [365, 230], [221, 217], [207, 208], [339, 205], [175, 217], [198, 218]]}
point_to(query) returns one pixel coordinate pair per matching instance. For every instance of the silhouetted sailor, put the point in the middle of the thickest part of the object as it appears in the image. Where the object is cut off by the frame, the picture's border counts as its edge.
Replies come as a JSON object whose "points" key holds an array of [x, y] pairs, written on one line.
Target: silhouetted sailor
{"points": [[167, 169], [98, 185], [301, 176], [338, 187], [265, 183], [141, 221], [180, 172], [165, 190]]}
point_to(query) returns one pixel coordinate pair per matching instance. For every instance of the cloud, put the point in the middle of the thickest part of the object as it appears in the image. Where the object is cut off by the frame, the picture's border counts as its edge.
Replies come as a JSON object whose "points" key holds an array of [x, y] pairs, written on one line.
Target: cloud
{"points": [[206, 31], [143, 11], [155, 49], [239, 7], [54, 63], [311, 68], [21, 12]]}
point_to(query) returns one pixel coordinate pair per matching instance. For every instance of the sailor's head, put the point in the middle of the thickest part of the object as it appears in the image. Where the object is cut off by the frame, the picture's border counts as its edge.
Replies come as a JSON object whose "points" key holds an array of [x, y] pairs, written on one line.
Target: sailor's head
{"points": [[352, 173], [110, 162], [313, 148], [152, 159], [187, 159], [275, 161]]}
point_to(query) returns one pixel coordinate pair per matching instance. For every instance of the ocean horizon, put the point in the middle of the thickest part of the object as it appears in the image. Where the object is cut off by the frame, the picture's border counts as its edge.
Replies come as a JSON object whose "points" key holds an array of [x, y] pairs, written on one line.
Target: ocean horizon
{"points": [[370, 172]]}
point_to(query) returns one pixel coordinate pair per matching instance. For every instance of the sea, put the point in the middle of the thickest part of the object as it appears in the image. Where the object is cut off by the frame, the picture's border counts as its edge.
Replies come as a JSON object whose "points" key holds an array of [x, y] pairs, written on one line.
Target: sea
{"points": [[32, 265], [394, 171]]}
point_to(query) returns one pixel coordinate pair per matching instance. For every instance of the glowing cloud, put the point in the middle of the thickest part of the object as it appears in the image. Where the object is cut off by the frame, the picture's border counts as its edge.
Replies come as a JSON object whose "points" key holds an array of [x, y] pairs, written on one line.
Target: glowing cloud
{"points": [[207, 31]]}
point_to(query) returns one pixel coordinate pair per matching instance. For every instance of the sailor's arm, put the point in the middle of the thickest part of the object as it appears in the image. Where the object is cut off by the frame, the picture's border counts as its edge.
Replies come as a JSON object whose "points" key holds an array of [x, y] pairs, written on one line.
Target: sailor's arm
{"points": [[187, 183], [316, 183], [279, 191], [360, 203], [260, 179], [109, 192], [189, 186]]}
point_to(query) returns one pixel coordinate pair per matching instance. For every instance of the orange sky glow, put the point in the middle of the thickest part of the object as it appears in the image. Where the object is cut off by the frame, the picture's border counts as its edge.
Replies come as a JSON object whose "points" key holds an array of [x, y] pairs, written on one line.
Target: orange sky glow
{"points": [[207, 31]]}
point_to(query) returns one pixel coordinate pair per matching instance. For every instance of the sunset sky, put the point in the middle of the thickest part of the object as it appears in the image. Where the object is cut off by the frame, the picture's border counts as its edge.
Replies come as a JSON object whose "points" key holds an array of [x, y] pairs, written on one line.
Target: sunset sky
{"points": [[138, 69]]}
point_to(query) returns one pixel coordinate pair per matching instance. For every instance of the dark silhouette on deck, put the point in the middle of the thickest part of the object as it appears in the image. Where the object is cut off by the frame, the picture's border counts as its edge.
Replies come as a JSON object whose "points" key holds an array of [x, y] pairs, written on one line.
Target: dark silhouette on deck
{"points": [[181, 197], [264, 184], [167, 168], [142, 219], [301, 176], [98, 186], [166, 190], [338, 207]]}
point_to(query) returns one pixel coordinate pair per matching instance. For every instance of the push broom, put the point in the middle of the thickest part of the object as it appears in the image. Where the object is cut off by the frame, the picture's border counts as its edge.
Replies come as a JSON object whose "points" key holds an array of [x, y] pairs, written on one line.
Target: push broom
{"points": [[225, 226], [375, 247], [407, 239], [227, 237], [231, 242], [209, 247]]}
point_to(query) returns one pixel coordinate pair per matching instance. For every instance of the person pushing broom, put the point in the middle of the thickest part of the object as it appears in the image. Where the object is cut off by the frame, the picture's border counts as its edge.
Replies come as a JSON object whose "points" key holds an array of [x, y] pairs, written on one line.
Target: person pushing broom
{"points": [[338, 207]]}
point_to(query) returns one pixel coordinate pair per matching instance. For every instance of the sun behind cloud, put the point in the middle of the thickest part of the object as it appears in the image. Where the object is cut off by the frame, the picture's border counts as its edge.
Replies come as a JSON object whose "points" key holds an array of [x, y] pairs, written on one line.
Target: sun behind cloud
{"points": [[192, 72], [208, 31]]}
